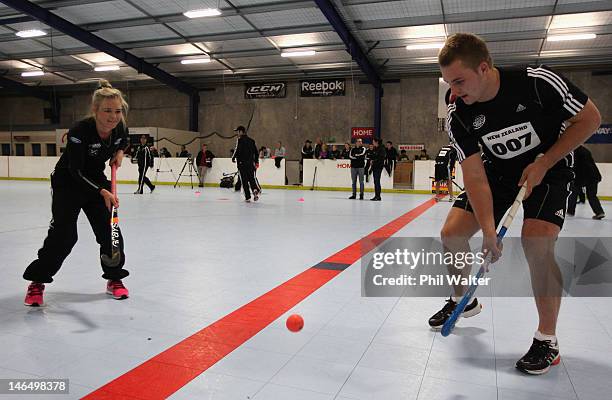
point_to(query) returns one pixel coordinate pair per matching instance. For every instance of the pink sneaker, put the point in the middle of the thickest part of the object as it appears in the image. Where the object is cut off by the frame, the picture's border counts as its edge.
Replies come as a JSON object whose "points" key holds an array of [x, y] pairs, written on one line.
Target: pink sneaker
{"points": [[34, 297], [117, 290]]}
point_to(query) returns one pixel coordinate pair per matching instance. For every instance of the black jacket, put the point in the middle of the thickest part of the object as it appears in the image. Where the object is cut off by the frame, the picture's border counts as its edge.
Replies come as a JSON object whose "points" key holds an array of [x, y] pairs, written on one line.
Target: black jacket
{"points": [[585, 168], [84, 159], [378, 156], [357, 156], [144, 156], [209, 158], [307, 152], [345, 154], [246, 152]]}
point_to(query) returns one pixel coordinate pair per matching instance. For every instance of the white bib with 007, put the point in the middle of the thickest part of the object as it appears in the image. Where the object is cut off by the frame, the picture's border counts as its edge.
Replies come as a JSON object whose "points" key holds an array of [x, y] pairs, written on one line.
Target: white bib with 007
{"points": [[512, 141]]}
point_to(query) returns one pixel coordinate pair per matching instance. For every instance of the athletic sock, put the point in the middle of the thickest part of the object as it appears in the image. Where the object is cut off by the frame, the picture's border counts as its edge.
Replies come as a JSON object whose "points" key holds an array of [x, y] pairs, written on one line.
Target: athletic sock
{"points": [[540, 336]]}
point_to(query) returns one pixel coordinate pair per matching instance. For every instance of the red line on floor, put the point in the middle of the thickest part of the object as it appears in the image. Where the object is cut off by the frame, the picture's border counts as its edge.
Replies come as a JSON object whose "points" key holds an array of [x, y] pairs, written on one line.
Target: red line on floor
{"points": [[167, 372]]}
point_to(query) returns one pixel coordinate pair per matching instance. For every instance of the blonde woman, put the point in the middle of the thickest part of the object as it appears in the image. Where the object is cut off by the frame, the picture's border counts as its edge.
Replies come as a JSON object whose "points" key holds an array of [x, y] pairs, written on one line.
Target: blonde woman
{"points": [[78, 183]]}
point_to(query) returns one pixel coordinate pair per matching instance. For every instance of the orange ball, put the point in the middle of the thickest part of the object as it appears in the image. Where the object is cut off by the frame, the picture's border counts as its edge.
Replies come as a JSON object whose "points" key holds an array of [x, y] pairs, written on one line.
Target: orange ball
{"points": [[295, 323]]}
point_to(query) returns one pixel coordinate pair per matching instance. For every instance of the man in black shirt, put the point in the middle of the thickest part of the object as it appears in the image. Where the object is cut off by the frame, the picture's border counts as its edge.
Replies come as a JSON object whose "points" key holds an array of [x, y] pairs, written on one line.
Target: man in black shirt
{"points": [[514, 115], [587, 175], [145, 161], [378, 155], [247, 156], [391, 157], [357, 156], [443, 170]]}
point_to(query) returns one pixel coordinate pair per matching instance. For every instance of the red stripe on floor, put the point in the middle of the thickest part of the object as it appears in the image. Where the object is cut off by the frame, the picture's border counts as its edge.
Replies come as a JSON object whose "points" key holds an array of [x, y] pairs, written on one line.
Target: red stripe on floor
{"points": [[167, 372]]}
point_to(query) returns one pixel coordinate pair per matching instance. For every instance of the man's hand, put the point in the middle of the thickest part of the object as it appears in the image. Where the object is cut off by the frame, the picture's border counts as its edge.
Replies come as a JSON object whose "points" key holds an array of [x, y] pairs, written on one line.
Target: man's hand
{"points": [[533, 175], [491, 245], [117, 159], [109, 199]]}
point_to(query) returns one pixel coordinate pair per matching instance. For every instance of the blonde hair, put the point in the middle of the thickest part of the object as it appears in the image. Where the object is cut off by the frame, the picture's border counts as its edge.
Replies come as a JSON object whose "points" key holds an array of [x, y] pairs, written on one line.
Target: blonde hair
{"points": [[106, 91], [466, 47]]}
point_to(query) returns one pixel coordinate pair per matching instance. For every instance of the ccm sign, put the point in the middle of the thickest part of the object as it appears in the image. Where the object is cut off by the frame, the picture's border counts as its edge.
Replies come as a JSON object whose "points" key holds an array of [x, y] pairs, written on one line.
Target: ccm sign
{"points": [[322, 87], [265, 90]]}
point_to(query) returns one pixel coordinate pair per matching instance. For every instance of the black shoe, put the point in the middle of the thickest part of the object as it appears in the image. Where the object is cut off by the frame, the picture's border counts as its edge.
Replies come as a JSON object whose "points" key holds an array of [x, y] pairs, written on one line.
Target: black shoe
{"points": [[360, 197], [541, 356], [153, 188], [255, 194], [599, 216], [439, 318], [353, 197], [201, 185], [375, 199], [137, 192]]}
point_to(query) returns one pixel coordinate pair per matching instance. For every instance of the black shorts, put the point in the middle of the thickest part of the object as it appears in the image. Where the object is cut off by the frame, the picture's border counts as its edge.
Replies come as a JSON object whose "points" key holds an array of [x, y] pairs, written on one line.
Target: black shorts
{"points": [[441, 172], [547, 202]]}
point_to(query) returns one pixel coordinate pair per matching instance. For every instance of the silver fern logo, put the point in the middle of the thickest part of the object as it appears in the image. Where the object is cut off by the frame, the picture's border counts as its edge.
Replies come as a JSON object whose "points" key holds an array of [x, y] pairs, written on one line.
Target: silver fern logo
{"points": [[479, 121]]}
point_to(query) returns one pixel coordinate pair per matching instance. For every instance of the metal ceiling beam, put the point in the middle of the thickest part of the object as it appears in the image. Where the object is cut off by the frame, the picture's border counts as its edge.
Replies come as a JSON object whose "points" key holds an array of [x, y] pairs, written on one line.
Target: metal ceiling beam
{"points": [[357, 54], [175, 17], [78, 33], [353, 47]]}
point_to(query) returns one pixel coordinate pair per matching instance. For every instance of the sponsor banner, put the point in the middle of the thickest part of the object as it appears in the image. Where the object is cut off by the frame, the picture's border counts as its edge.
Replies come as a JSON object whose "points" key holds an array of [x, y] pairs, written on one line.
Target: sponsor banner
{"points": [[417, 266], [602, 135], [411, 147], [265, 90], [322, 87], [366, 134]]}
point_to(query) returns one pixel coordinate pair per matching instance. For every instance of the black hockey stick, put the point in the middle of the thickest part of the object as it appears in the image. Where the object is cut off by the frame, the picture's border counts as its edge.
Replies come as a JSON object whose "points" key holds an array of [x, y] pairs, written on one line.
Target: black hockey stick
{"points": [[115, 257]]}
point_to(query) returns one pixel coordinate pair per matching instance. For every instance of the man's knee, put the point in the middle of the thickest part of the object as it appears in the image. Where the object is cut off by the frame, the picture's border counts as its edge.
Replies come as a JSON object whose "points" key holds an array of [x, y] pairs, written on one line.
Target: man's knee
{"points": [[538, 239]]}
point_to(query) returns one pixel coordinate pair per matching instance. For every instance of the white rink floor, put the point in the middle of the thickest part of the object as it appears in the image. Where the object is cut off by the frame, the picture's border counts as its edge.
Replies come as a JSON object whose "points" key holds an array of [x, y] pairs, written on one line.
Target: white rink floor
{"points": [[196, 258]]}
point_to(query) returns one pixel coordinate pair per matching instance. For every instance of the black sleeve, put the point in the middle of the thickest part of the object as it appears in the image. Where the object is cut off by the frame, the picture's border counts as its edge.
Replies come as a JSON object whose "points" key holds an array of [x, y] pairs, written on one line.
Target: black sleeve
{"points": [[458, 133], [199, 157], [255, 152], [77, 151], [124, 135], [555, 94]]}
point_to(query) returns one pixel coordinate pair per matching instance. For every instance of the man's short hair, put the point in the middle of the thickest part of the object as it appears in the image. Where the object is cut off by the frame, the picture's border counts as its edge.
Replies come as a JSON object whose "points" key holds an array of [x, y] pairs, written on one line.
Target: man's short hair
{"points": [[466, 47]]}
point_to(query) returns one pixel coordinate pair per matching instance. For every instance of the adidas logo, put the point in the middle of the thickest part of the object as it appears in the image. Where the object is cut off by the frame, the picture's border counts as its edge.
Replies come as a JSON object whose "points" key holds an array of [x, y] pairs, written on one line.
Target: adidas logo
{"points": [[520, 108], [560, 214]]}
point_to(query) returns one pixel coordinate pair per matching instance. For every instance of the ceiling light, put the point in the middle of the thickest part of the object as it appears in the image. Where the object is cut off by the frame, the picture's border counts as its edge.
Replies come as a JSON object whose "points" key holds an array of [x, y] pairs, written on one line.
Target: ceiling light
{"points": [[577, 36], [107, 68], [298, 53], [195, 60], [33, 73], [425, 46], [30, 33], [204, 12]]}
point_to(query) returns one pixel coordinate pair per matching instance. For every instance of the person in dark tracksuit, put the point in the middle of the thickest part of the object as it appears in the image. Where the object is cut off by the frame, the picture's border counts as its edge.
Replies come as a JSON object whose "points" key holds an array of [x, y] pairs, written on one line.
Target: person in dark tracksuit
{"points": [[247, 157], [378, 155], [78, 183], [587, 175], [357, 156], [145, 161]]}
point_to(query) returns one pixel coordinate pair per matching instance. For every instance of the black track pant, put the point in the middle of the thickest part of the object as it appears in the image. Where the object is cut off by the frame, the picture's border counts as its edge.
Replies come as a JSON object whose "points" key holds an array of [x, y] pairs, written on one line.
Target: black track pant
{"points": [[591, 195], [247, 177], [376, 173], [142, 179], [66, 205]]}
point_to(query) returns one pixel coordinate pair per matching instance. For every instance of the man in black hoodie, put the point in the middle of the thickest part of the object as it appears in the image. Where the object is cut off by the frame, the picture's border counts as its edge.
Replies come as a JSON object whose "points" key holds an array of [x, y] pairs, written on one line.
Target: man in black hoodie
{"points": [[588, 175], [145, 161], [247, 156], [378, 156], [357, 156]]}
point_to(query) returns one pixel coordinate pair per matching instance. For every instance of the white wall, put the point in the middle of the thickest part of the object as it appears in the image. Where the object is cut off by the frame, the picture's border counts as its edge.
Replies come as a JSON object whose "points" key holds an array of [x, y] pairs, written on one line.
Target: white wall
{"points": [[41, 167], [337, 174]]}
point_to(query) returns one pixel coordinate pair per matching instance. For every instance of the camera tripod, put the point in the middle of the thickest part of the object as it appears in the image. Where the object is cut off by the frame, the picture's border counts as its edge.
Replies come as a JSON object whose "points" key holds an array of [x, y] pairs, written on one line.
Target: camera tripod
{"points": [[192, 171]]}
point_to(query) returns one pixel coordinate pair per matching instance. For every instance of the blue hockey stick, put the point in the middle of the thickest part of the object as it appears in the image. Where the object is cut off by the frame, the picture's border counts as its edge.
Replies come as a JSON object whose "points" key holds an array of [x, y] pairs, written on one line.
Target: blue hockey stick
{"points": [[449, 325]]}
